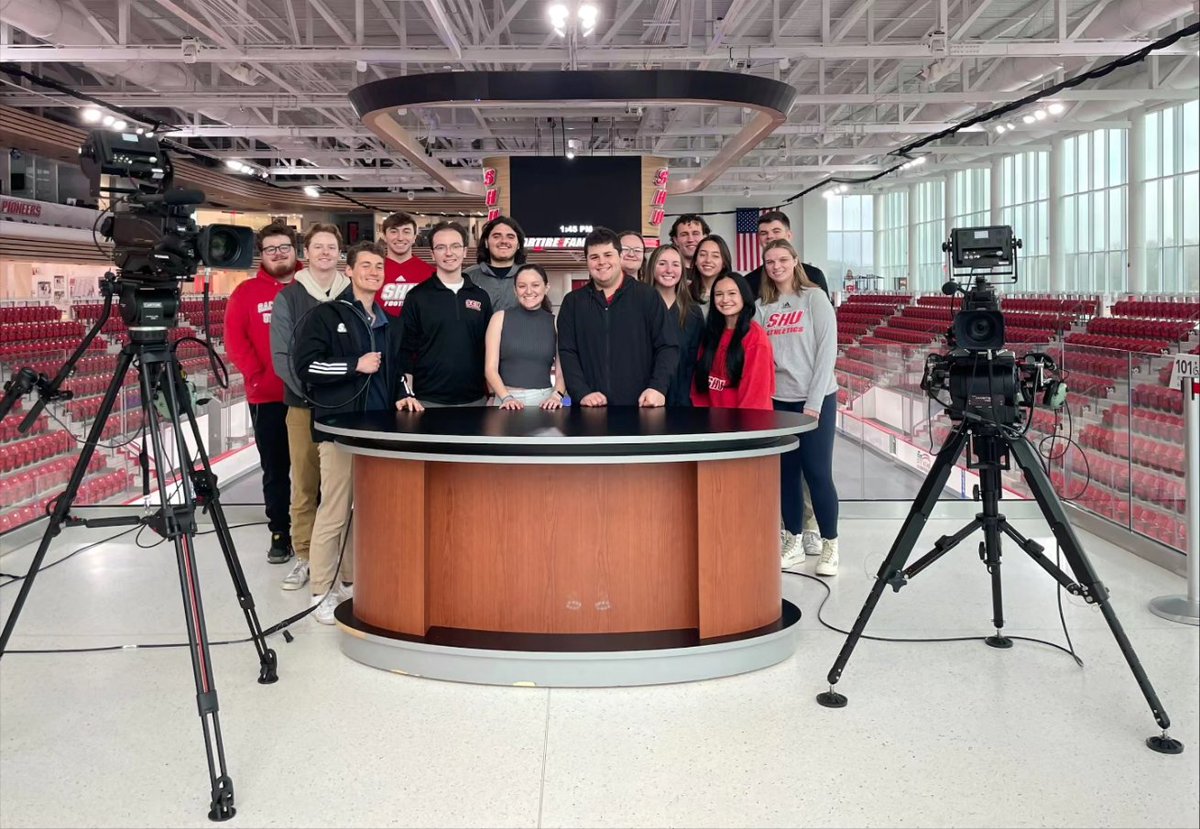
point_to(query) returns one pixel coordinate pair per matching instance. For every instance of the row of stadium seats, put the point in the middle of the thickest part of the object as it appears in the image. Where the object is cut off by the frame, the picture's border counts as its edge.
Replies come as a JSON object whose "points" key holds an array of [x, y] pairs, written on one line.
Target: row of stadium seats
{"points": [[1157, 308], [10, 314], [22, 331]]}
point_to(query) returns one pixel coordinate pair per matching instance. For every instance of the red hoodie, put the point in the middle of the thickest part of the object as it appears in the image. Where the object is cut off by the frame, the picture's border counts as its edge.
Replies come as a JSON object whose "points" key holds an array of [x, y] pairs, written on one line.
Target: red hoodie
{"points": [[758, 374], [248, 335]]}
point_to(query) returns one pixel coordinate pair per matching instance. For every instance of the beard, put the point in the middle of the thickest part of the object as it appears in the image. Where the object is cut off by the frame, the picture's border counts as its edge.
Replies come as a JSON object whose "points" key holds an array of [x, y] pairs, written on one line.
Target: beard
{"points": [[279, 269]]}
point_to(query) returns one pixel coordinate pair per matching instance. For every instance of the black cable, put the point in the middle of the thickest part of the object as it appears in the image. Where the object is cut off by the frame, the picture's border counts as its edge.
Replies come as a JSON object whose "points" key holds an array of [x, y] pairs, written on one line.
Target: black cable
{"points": [[829, 592], [12, 579], [905, 151]]}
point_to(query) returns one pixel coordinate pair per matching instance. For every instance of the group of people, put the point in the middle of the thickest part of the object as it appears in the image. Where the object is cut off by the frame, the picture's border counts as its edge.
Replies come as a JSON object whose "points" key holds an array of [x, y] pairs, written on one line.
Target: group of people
{"points": [[388, 331]]}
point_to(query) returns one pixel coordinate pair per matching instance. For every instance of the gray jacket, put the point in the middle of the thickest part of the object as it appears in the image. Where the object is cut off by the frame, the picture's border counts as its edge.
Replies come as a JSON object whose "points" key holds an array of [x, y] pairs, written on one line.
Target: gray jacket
{"points": [[499, 286], [289, 312]]}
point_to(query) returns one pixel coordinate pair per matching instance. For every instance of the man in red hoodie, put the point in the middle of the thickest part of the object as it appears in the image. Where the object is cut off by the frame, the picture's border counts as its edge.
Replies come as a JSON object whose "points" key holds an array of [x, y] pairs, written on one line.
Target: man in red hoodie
{"points": [[248, 344]]}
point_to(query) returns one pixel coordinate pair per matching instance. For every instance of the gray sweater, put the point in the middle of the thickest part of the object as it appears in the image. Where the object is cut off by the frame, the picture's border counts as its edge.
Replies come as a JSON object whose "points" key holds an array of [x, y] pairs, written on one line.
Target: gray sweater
{"points": [[498, 284], [291, 307], [803, 334]]}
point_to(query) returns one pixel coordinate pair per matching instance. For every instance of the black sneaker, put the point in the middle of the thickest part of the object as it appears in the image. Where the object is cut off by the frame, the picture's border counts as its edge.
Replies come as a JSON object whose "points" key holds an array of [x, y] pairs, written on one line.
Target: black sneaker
{"points": [[281, 549]]}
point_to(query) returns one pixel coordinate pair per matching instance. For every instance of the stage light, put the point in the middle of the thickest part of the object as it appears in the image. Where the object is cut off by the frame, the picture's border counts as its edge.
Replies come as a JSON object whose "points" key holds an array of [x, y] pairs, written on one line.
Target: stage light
{"points": [[1009, 126], [1039, 115], [140, 131], [108, 120], [1027, 119], [311, 192], [588, 15], [558, 15], [233, 164], [570, 153], [91, 115], [1056, 108], [1000, 128], [119, 125]]}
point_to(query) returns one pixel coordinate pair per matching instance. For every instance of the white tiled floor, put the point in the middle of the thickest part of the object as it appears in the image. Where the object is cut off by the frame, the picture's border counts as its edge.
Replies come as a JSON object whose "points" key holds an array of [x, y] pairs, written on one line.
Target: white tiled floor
{"points": [[935, 734]]}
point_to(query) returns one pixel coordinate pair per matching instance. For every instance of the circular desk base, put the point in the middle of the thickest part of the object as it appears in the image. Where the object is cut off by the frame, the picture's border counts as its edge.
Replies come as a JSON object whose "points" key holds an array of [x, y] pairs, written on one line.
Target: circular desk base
{"points": [[567, 661]]}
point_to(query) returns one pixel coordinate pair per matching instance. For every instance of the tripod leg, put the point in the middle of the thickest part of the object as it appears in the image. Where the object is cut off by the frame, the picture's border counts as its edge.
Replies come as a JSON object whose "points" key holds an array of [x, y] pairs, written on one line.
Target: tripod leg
{"points": [[1090, 586], [63, 504], [902, 547], [989, 551], [178, 524], [207, 495]]}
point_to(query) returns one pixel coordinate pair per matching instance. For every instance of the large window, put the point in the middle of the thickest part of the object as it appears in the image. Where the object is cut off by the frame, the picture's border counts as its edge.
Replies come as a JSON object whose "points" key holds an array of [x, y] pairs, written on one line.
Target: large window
{"points": [[893, 240], [972, 197], [1094, 210], [929, 217], [1024, 204], [851, 239], [1171, 168]]}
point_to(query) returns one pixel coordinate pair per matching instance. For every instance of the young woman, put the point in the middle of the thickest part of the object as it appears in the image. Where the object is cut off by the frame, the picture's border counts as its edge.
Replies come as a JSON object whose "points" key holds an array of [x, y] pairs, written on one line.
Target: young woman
{"points": [[710, 262], [521, 347], [802, 327], [735, 369], [664, 272], [633, 254]]}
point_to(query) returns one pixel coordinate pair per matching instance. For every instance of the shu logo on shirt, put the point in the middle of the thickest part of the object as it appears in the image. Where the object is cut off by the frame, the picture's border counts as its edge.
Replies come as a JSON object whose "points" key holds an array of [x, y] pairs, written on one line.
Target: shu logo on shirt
{"points": [[394, 293], [473, 305], [341, 329], [785, 323]]}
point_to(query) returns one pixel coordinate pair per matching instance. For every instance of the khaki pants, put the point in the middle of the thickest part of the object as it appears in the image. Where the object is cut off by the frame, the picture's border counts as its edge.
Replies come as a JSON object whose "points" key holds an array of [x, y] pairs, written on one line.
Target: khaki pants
{"points": [[306, 478], [810, 519], [333, 515]]}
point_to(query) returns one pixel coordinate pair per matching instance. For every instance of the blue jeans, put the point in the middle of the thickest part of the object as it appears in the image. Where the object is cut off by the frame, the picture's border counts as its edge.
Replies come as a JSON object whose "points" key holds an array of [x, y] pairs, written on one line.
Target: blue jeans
{"points": [[811, 462]]}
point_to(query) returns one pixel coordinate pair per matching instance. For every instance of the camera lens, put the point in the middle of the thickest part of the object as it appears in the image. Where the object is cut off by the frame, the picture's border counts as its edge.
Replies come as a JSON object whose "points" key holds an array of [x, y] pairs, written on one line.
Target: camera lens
{"points": [[981, 329], [226, 246]]}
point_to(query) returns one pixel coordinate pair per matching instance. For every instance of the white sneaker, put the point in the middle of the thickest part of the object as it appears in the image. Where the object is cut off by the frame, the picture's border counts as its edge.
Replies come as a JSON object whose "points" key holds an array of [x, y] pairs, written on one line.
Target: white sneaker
{"points": [[298, 577], [790, 553], [325, 606], [827, 565], [345, 590], [811, 542]]}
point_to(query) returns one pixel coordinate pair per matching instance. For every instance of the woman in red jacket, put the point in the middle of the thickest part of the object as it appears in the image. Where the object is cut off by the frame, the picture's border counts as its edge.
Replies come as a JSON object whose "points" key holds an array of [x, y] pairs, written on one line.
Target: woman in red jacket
{"points": [[735, 369]]}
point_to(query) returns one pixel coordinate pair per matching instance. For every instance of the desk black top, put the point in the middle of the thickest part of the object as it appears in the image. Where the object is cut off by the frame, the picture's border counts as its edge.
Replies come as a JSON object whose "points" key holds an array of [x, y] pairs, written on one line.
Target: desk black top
{"points": [[574, 431]]}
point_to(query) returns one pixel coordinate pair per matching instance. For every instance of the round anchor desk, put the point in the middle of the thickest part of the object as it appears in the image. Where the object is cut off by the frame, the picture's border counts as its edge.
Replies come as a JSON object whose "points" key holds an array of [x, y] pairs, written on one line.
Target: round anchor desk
{"points": [[581, 547]]}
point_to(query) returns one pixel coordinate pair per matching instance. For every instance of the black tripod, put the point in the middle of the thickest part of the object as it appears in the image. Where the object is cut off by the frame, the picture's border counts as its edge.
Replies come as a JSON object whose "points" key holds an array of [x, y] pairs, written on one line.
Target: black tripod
{"points": [[992, 449], [161, 377]]}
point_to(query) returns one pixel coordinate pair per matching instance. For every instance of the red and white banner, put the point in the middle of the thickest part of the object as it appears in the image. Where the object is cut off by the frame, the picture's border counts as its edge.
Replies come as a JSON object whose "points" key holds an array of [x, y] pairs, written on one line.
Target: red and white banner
{"points": [[491, 196]]}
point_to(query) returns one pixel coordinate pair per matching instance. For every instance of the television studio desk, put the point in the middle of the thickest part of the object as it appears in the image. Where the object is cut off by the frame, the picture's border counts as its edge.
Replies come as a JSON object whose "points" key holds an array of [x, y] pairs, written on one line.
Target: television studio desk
{"points": [[580, 547]]}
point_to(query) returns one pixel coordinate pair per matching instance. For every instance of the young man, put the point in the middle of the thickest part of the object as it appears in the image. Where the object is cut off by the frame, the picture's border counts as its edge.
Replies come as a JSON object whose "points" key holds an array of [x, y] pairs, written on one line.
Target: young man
{"points": [[348, 357], [443, 329], [401, 269], [776, 225], [501, 251], [633, 253], [320, 282], [686, 233], [248, 344], [615, 342]]}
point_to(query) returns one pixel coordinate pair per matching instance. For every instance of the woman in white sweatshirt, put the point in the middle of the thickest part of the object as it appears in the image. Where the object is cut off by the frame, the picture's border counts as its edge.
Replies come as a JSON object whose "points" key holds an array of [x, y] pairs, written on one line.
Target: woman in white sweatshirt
{"points": [[802, 328]]}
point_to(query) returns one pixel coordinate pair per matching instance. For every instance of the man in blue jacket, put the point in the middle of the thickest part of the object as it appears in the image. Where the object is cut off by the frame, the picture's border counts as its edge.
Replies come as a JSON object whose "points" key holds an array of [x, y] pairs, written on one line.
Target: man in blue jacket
{"points": [[615, 343], [348, 357]]}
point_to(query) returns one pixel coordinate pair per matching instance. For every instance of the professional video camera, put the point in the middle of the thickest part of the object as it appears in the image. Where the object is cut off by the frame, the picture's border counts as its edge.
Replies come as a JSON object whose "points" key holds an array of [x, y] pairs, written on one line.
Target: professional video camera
{"points": [[987, 389], [154, 236], [985, 381], [157, 246]]}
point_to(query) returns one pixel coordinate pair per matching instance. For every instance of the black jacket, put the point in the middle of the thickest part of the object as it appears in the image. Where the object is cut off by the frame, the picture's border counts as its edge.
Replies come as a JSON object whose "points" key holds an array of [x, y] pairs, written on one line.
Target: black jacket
{"points": [[755, 278], [680, 392], [442, 341], [334, 336], [620, 348]]}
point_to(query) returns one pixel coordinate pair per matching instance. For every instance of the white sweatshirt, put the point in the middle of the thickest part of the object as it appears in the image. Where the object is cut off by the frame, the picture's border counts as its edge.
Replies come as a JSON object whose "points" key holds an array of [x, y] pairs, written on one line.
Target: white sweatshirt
{"points": [[803, 333]]}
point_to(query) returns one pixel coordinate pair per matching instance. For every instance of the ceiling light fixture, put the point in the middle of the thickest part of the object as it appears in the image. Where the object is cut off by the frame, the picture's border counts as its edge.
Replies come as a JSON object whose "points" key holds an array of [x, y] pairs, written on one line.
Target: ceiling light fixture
{"points": [[119, 125], [1027, 119], [108, 120], [1039, 115], [581, 19], [91, 115], [1056, 108], [233, 164], [311, 192]]}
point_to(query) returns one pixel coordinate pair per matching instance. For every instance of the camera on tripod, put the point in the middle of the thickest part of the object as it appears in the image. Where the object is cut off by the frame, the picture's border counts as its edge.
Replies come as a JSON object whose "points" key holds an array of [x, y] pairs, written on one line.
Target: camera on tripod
{"points": [[984, 379], [156, 241]]}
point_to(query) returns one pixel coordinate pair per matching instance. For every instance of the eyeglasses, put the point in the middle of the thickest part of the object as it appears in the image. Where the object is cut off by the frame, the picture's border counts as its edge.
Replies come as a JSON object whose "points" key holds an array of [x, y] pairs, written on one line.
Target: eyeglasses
{"points": [[282, 250], [455, 248], [633, 251]]}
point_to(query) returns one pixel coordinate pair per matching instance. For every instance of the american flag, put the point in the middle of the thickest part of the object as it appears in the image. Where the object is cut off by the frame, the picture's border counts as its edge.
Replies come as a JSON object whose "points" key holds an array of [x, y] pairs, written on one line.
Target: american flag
{"points": [[749, 254]]}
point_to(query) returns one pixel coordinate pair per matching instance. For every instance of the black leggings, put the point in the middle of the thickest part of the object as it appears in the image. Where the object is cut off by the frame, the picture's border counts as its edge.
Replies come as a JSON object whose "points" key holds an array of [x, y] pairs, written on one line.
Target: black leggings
{"points": [[811, 462]]}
